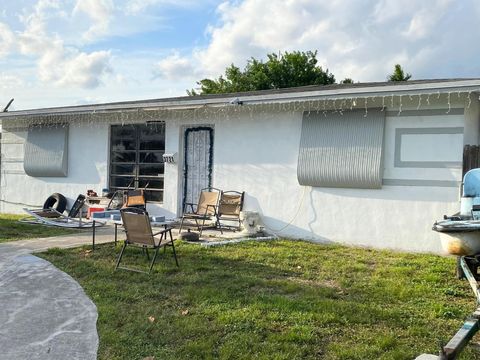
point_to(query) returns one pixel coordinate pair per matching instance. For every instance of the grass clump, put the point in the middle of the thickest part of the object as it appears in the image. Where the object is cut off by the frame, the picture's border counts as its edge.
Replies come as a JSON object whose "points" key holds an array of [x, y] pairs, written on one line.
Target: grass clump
{"points": [[11, 229]]}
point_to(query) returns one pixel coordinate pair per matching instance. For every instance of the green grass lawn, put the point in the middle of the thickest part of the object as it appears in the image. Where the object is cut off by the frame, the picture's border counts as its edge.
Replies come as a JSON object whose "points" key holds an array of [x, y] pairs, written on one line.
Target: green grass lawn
{"points": [[272, 300], [11, 229]]}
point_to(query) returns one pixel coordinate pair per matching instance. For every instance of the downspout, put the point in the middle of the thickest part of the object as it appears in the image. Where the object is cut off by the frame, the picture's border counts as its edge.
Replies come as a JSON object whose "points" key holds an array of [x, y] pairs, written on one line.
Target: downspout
{"points": [[471, 135]]}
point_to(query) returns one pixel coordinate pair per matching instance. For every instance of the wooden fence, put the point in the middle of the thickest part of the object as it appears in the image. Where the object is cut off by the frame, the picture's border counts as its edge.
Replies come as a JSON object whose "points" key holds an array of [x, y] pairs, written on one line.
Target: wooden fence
{"points": [[471, 158]]}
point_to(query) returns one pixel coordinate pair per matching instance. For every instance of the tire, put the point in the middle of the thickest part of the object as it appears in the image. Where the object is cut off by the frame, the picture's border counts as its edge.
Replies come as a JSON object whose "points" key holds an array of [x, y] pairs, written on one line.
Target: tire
{"points": [[57, 202]]}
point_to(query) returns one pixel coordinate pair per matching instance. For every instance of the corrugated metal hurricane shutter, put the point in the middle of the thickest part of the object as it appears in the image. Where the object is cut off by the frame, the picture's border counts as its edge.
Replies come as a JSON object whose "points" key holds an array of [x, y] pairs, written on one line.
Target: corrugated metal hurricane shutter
{"points": [[46, 151], [342, 150]]}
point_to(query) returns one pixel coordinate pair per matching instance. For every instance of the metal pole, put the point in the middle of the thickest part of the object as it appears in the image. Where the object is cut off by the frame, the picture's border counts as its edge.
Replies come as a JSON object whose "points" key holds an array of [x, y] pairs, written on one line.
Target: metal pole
{"points": [[116, 227], [471, 278], [93, 235]]}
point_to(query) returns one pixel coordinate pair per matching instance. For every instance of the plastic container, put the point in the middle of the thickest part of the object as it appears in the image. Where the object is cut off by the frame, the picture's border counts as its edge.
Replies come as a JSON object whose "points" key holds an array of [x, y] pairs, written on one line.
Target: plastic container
{"points": [[94, 209], [157, 219], [115, 217]]}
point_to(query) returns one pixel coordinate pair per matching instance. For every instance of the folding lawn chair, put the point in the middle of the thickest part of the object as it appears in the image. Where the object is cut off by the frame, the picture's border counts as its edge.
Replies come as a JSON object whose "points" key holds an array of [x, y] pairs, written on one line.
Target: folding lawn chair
{"points": [[204, 210], [138, 229], [135, 198], [129, 197], [229, 208]]}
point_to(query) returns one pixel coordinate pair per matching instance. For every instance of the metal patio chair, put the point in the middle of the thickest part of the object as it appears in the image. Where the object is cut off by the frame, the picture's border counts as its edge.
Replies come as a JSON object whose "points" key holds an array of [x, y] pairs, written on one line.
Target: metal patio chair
{"points": [[138, 229], [135, 198], [204, 210], [229, 208], [129, 197]]}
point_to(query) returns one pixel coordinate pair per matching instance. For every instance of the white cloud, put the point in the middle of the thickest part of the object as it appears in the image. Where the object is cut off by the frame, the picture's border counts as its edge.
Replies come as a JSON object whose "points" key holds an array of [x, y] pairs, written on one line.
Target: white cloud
{"points": [[137, 6], [174, 67], [8, 81], [100, 13], [7, 39], [424, 21], [56, 63], [257, 27], [78, 69], [362, 40]]}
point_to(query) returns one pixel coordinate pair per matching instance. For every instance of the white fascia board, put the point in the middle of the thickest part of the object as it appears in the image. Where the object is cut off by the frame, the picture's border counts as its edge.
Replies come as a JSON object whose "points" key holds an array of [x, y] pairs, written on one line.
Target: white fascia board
{"points": [[371, 92], [462, 86], [150, 105]]}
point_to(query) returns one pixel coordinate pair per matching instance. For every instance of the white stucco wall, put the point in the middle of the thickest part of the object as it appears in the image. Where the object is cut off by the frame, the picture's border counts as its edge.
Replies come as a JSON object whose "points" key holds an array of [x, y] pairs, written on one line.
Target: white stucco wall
{"points": [[257, 152], [395, 216], [87, 168]]}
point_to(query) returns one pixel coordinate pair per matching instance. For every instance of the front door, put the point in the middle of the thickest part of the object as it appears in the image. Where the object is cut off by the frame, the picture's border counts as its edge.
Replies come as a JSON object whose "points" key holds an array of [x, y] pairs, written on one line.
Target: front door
{"points": [[198, 162]]}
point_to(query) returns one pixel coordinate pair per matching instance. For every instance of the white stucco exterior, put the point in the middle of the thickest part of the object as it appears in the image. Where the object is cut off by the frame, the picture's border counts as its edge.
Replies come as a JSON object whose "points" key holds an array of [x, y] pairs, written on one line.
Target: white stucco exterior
{"points": [[260, 158], [87, 168], [256, 151]]}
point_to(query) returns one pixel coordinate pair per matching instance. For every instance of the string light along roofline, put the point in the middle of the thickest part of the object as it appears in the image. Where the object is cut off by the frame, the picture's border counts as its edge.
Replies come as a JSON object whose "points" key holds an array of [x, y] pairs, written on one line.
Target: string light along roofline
{"points": [[328, 98]]}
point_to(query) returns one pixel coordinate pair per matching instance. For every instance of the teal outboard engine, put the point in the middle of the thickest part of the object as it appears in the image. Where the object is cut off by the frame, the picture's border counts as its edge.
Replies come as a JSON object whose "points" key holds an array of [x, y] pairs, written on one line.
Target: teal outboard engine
{"points": [[470, 202]]}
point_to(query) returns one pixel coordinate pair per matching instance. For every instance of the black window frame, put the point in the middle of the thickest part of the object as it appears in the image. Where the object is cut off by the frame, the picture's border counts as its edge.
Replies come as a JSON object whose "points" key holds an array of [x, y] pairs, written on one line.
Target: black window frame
{"points": [[143, 134]]}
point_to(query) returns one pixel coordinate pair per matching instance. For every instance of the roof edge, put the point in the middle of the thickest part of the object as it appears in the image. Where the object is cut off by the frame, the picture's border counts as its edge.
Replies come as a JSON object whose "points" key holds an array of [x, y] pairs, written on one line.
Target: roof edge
{"points": [[306, 93]]}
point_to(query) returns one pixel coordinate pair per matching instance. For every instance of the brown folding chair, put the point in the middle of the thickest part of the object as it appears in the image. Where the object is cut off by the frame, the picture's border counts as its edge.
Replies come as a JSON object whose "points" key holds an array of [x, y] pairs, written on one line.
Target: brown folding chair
{"points": [[138, 229], [204, 210], [229, 208], [135, 198]]}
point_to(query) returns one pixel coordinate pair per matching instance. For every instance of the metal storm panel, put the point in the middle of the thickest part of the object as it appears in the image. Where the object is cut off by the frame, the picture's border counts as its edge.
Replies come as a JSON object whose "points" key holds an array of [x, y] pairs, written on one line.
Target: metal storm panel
{"points": [[342, 149], [46, 151]]}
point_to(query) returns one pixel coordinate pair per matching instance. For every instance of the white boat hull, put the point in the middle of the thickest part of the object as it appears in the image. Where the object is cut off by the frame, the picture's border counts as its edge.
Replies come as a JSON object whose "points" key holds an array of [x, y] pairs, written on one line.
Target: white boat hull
{"points": [[461, 243], [459, 237]]}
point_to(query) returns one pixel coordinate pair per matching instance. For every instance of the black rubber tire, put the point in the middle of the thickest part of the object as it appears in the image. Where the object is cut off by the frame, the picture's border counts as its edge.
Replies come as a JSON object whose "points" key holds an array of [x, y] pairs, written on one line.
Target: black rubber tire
{"points": [[57, 202]]}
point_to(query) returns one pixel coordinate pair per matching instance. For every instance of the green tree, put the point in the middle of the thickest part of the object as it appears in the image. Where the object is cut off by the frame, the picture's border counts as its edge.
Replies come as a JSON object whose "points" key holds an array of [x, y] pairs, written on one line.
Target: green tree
{"points": [[279, 71], [398, 74], [346, 81]]}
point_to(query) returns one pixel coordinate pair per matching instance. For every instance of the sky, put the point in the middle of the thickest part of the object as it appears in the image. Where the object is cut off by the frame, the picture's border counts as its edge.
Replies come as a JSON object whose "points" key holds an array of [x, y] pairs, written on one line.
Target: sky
{"points": [[71, 52]]}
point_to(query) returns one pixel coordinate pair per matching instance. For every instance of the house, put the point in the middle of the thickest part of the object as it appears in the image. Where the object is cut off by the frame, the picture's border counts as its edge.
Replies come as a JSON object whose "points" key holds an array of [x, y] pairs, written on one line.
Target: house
{"points": [[371, 164]]}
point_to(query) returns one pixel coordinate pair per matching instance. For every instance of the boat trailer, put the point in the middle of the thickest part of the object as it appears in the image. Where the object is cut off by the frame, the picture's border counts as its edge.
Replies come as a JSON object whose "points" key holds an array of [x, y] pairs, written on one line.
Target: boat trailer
{"points": [[460, 235], [468, 268]]}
